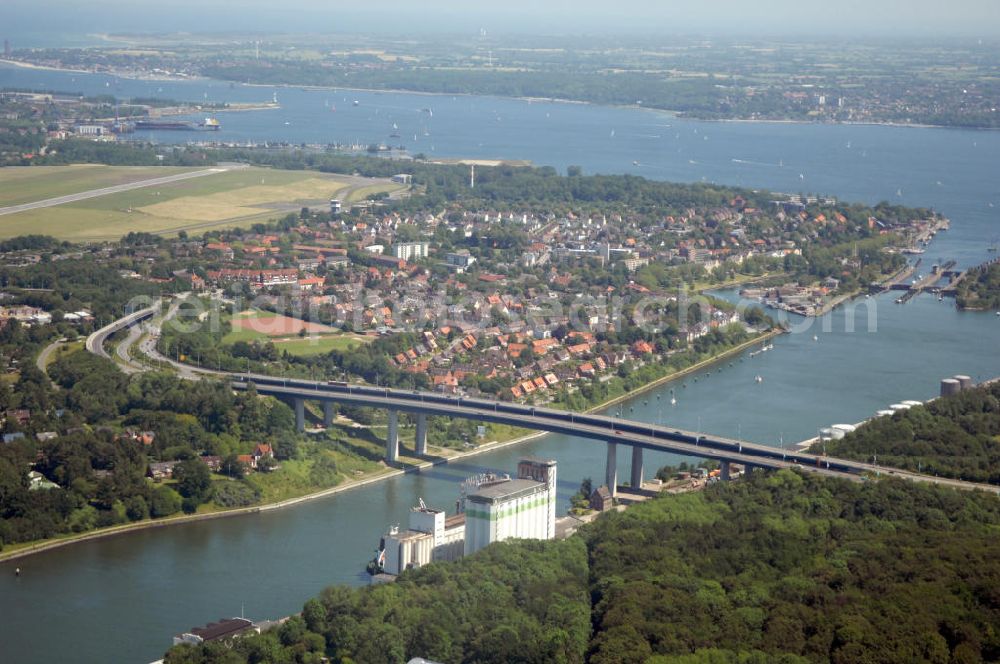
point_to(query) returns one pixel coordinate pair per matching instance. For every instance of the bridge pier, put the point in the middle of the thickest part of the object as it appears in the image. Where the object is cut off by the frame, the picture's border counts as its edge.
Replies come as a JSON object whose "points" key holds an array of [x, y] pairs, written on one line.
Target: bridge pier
{"points": [[725, 471], [636, 479], [327, 414], [300, 415], [421, 435], [611, 469], [392, 438]]}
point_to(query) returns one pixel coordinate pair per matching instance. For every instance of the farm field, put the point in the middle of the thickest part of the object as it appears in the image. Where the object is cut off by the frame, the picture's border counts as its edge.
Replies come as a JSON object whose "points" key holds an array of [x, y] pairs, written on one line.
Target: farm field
{"points": [[238, 197], [284, 332]]}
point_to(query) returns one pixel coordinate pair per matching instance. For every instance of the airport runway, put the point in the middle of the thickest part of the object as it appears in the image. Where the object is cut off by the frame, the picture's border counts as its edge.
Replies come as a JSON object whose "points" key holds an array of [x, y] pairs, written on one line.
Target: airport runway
{"points": [[117, 189]]}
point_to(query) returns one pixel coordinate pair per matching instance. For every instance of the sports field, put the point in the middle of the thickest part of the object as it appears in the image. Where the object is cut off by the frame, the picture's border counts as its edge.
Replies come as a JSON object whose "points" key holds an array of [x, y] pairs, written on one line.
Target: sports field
{"points": [[283, 331], [233, 198]]}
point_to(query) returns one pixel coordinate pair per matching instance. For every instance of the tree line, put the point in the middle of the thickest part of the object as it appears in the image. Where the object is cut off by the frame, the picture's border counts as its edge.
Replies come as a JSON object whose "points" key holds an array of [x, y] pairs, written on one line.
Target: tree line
{"points": [[778, 568], [956, 436]]}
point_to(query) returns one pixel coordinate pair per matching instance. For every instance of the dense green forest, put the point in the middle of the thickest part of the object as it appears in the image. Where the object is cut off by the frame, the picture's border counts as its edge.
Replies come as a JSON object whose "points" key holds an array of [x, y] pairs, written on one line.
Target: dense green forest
{"points": [[72, 283], [778, 568], [980, 289], [83, 151], [100, 471], [956, 436]]}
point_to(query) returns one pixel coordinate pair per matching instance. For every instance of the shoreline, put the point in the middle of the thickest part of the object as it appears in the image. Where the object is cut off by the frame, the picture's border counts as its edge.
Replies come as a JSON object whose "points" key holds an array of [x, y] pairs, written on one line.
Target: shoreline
{"points": [[680, 115], [48, 545]]}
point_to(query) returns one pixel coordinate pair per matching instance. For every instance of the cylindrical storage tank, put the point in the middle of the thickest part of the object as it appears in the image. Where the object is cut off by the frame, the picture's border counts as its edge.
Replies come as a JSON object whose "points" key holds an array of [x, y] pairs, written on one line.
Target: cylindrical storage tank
{"points": [[835, 433], [846, 428], [950, 386], [912, 402], [826, 433], [964, 381], [899, 406], [885, 412]]}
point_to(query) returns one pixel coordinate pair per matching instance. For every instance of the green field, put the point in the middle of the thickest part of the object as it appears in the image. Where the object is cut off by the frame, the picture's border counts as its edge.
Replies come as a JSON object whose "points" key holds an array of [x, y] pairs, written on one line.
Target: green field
{"points": [[313, 344], [222, 200], [304, 347], [300, 346]]}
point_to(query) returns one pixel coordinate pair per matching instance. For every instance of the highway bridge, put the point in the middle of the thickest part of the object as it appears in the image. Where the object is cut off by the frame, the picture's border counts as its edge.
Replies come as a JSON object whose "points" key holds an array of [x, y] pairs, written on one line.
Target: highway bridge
{"points": [[639, 436], [95, 342]]}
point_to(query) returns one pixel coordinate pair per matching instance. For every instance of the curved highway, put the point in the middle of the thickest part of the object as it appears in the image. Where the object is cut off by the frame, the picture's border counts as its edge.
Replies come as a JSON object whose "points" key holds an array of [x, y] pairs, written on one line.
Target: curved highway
{"points": [[95, 342]]}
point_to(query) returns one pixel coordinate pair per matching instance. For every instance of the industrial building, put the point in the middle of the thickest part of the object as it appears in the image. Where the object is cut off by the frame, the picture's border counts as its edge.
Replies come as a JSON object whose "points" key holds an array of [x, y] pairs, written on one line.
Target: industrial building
{"points": [[506, 508], [493, 507], [432, 536], [217, 631]]}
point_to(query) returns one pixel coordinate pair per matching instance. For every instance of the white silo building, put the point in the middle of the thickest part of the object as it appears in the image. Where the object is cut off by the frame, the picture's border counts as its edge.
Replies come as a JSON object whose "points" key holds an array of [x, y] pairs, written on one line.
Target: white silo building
{"points": [[501, 508]]}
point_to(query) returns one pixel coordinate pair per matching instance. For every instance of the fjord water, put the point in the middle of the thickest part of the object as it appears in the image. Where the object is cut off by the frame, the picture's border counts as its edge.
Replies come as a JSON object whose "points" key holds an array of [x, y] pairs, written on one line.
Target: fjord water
{"points": [[120, 599]]}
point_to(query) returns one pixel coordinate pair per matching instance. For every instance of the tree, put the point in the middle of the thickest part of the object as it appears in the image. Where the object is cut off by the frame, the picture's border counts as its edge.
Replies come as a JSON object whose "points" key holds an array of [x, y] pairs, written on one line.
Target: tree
{"points": [[136, 508], [194, 480], [165, 502], [233, 467]]}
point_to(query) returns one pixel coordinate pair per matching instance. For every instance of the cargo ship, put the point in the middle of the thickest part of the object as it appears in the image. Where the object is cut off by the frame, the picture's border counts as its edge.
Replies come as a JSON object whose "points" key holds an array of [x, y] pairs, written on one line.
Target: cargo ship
{"points": [[208, 124]]}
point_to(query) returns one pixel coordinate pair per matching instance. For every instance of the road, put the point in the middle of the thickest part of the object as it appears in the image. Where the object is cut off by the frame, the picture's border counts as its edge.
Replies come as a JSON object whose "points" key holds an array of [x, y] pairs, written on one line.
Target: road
{"points": [[42, 361], [95, 342], [122, 350], [116, 189], [148, 346]]}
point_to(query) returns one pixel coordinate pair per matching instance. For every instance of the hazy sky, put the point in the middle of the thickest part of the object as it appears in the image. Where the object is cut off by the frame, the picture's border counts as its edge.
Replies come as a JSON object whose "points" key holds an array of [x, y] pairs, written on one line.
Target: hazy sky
{"points": [[966, 18]]}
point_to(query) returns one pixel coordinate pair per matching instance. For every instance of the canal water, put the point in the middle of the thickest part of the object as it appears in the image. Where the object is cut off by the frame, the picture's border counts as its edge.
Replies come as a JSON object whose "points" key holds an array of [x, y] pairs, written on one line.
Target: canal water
{"points": [[120, 599]]}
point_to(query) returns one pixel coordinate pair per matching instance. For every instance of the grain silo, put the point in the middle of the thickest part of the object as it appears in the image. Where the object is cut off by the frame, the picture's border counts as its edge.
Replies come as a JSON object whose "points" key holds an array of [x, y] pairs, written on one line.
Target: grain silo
{"points": [[950, 386]]}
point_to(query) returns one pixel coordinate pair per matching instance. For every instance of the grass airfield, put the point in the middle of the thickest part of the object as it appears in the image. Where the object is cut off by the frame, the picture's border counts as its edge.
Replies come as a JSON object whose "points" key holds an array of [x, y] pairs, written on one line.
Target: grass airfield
{"points": [[222, 200]]}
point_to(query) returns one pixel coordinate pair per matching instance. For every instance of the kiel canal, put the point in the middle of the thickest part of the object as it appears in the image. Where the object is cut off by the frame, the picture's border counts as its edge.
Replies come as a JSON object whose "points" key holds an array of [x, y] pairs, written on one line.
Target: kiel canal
{"points": [[121, 599]]}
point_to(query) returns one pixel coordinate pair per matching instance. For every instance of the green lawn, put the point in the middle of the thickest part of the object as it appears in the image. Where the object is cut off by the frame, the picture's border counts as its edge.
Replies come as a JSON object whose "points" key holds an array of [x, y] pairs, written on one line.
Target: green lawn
{"points": [[299, 346], [319, 344], [293, 478], [313, 344], [362, 192]]}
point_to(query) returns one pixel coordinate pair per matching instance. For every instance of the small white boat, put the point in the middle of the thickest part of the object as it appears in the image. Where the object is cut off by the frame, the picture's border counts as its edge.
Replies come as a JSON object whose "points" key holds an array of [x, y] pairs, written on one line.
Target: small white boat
{"points": [[758, 378]]}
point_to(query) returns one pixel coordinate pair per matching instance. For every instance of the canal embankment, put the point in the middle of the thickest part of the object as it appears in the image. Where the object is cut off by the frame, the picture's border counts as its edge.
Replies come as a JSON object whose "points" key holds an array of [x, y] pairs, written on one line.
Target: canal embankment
{"points": [[26, 549]]}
